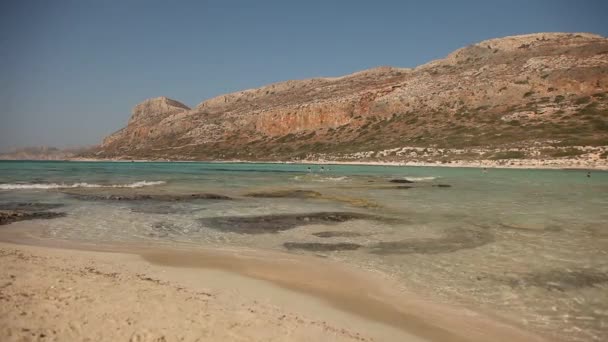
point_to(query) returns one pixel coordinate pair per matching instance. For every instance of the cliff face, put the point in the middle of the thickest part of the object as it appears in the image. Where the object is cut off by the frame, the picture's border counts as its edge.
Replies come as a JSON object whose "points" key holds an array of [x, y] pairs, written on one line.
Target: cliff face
{"points": [[144, 118], [548, 88]]}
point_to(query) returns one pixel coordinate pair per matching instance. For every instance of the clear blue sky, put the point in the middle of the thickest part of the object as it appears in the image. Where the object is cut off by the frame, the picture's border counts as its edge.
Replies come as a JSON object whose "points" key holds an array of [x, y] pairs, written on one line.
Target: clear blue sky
{"points": [[70, 71]]}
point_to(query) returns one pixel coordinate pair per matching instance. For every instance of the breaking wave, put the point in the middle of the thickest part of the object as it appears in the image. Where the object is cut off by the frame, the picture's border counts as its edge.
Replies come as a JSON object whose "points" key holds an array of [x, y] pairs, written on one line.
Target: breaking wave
{"points": [[415, 179], [330, 179], [139, 184], [319, 178]]}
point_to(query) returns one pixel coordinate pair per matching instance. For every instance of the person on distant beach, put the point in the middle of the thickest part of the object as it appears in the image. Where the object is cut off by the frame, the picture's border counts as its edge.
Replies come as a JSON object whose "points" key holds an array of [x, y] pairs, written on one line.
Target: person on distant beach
{"points": [[588, 174], [322, 169], [485, 170], [309, 170]]}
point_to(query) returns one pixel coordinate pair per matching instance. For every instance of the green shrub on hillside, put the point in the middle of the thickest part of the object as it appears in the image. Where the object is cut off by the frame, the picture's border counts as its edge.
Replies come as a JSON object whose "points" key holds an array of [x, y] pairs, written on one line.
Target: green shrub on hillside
{"points": [[508, 155]]}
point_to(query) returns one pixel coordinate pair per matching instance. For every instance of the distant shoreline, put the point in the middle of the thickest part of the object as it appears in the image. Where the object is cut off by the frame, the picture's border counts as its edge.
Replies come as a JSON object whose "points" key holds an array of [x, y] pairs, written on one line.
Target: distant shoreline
{"points": [[532, 165]]}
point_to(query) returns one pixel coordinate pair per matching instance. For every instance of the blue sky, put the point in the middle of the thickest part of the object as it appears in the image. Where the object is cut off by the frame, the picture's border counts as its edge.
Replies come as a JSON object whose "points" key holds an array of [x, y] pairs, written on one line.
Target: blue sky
{"points": [[71, 71]]}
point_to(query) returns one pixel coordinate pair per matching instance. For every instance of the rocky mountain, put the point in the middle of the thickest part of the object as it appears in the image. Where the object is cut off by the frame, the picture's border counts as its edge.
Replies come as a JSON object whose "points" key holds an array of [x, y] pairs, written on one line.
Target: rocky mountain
{"points": [[529, 96], [43, 153]]}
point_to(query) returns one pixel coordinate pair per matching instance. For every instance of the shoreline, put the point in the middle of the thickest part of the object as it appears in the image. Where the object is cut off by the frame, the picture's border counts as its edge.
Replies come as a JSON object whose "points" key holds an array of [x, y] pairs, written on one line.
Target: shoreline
{"points": [[474, 165], [360, 305]]}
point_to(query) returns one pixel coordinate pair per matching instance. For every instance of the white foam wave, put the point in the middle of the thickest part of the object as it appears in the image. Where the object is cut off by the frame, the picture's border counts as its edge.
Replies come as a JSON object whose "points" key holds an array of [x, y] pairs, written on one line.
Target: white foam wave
{"points": [[418, 179], [331, 179], [139, 184]]}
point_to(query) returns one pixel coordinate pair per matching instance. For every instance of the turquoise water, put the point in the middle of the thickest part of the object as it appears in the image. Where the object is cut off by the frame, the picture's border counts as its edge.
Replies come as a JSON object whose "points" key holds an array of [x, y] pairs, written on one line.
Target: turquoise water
{"points": [[530, 246]]}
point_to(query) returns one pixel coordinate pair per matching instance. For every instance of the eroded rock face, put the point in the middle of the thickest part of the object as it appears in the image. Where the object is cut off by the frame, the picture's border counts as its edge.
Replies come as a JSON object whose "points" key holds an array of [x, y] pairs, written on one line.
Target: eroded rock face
{"points": [[277, 223], [145, 116], [498, 91]]}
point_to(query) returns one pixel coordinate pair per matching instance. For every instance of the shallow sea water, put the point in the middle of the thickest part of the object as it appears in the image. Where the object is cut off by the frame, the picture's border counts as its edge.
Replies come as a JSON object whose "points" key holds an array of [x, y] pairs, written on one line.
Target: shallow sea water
{"points": [[530, 246]]}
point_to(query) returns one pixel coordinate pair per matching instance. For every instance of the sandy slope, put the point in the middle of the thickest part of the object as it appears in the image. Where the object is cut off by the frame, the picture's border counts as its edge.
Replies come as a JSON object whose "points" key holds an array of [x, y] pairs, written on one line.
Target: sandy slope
{"points": [[229, 295], [63, 295]]}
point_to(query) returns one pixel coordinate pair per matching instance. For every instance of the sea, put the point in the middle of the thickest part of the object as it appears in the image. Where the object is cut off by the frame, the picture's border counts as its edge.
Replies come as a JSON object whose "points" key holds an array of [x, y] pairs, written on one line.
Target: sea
{"points": [[528, 246]]}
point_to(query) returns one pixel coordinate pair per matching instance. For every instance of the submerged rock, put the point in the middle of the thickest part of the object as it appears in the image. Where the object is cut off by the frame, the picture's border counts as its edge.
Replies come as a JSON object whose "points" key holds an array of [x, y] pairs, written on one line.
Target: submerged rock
{"points": [[151, 197], [442, 186], [164, 229], [297, 193], [400, 181], [549, 228], [558, 279], [280, 222], [322, 247], [10, 216], [330, 234], [156, 207], [454, 240], [286, 194], [29, 206]]}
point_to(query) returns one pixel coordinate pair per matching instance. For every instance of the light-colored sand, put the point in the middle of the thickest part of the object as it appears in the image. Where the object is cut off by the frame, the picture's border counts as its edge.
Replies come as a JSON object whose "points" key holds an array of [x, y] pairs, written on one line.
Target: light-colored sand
{"points": [[147, 294]]}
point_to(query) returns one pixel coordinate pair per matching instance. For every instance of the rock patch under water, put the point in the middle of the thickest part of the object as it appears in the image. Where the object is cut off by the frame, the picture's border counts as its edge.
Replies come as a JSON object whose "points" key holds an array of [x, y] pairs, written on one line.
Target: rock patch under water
{"points": [[279, 222], [285, 194], [400, 181], [10, 216], [29, 206], [452, 241], [559, 279], [164, 229], [150, 197], [321, 247], [330, 234], [21, 211]]}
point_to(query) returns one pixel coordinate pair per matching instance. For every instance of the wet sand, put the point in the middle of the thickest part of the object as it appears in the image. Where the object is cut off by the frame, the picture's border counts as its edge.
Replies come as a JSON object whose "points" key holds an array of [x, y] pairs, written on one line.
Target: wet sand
{"points": [[67, 291]]}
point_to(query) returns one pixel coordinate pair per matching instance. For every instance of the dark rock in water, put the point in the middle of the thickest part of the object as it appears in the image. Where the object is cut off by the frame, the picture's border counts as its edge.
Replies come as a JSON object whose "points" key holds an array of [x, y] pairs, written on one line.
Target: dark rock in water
{"points": [[558, 279], [330, 234], [29, 206], [322, 247], [400, 181], [454, 240], [151, 197], [10, 216], [404, 187], [156, 207], [276, 223], [442, 186], [550, 228], [286, 194], [164, 229]]}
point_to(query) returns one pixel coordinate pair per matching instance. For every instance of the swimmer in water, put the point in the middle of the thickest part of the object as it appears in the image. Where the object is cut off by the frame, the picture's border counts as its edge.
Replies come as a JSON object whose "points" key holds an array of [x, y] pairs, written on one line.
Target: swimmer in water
{"points": [[588, 174]]}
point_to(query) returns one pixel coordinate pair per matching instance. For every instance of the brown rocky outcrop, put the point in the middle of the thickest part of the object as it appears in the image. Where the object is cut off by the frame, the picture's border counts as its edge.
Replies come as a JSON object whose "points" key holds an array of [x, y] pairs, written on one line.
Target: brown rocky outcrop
{"points": [[547, 88]]}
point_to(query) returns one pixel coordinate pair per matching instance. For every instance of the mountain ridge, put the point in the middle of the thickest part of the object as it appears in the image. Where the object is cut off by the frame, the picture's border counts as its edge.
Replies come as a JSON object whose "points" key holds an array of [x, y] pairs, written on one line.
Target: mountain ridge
{"points": [[550, 88]]}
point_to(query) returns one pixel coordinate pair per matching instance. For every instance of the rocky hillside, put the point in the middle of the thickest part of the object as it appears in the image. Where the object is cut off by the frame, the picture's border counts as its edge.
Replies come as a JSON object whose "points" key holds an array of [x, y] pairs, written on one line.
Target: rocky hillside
{"points": [[548, 90], [43, 153]]}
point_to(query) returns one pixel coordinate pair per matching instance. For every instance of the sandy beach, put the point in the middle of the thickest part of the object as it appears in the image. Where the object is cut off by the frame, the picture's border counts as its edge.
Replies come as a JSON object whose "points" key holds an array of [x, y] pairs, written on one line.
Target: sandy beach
{"points": [[51, 292], [556, 164]]}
